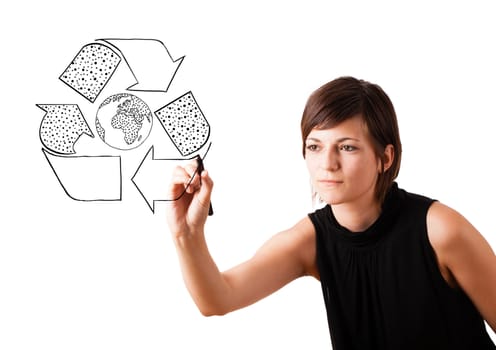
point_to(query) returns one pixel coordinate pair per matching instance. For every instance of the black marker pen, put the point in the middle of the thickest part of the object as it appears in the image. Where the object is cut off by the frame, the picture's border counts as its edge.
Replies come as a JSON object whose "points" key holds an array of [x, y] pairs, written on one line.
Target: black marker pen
{"points": [[200, 170]]}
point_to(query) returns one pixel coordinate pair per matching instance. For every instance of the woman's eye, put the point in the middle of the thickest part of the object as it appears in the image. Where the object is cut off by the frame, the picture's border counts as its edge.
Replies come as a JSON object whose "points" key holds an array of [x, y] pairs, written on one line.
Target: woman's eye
{"points": [[347, 148], [312, 148]]}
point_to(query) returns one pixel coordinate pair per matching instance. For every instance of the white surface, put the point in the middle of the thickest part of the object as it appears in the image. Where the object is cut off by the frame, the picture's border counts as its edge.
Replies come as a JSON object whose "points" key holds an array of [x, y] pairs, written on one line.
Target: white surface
{"points": [[77, 275]]}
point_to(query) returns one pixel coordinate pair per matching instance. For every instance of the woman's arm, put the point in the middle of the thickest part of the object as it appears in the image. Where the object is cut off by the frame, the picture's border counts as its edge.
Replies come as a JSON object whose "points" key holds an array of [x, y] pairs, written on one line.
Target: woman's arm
{"points": [[466, 256], [285, 257]]}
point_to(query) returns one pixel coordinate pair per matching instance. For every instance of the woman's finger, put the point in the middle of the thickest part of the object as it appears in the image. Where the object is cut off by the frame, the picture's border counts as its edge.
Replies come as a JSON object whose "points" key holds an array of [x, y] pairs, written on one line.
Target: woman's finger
{"points": [[184, 179]]}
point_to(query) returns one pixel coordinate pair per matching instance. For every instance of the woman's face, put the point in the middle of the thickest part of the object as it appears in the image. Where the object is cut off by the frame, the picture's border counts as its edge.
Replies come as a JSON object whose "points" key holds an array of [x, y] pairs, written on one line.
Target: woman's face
{"points": [[342, 164]]}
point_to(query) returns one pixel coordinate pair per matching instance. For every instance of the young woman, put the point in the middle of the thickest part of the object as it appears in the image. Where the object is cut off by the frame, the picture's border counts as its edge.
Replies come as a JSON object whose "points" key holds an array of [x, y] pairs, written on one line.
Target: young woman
{"points": [[398, 270]]}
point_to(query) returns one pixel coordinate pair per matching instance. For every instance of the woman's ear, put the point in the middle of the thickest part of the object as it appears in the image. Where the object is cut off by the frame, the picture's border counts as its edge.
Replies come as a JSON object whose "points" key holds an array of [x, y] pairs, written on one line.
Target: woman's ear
{"points": [[388, 157]]}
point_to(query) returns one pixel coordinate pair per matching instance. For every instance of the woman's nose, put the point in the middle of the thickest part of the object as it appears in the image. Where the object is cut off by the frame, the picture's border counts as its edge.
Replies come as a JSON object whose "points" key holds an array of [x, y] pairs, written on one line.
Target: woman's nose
{"points": [[330, 161]]}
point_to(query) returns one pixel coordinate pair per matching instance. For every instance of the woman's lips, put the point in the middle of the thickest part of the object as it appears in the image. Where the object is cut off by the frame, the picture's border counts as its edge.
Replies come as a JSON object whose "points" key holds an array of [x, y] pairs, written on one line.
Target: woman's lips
{"points": [[326, 182]]}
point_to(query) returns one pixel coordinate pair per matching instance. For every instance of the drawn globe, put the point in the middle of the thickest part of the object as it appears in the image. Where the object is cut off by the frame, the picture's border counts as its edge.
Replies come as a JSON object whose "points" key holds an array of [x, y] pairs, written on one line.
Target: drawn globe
{"points": [[123, 121]]}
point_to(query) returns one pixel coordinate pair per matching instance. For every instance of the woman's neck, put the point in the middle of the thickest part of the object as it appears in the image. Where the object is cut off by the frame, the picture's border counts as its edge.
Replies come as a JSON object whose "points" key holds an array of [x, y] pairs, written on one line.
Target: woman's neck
{"points": [[357, 216]]}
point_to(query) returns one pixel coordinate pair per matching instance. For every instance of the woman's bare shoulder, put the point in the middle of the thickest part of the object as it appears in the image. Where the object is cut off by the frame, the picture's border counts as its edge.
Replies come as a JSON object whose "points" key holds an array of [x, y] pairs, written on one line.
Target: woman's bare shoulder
{"points": [[305, 228], [444, 224]]}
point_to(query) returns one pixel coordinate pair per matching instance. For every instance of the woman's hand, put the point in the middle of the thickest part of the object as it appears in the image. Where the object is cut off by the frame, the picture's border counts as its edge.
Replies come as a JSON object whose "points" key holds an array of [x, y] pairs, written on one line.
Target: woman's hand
{"points": [[191, 191]]}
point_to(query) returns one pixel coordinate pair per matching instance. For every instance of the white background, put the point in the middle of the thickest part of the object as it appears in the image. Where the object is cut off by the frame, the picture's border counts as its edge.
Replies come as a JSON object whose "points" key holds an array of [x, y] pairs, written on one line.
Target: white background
{"points": [[76, 275]]}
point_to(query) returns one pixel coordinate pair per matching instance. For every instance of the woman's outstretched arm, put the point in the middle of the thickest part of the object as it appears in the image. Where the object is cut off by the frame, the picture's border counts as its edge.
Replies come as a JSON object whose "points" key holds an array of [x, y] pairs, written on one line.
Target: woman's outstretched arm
{"points": [[283, 258]]}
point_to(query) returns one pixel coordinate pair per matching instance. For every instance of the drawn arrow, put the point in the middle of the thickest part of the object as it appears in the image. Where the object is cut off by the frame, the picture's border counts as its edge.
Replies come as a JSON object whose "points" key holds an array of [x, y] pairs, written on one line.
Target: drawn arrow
{"points": [[152, 175], [149, 61], [62, 126]]}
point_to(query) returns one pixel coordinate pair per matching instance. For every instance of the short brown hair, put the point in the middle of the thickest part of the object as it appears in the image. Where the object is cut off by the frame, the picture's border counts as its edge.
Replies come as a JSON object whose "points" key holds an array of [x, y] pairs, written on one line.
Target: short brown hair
{"points": [[346, 97]]}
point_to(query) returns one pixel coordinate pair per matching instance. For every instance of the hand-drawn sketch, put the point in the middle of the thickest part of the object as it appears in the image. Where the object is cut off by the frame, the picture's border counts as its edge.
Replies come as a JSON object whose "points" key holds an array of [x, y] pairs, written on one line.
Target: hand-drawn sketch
{"points": [[123, 121], [185, 124], [150, 62], [90, 70], [62, 126], [150, 174], [88, 178]]}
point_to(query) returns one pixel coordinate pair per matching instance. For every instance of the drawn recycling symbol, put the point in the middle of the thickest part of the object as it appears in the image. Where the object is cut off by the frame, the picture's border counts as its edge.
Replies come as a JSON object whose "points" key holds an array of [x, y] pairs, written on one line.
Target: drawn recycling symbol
{"points": [[123, 121]]}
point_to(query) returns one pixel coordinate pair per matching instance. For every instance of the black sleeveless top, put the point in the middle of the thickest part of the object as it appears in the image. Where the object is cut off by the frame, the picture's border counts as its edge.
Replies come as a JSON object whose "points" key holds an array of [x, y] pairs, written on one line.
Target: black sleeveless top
{"points": [[383, 288]]}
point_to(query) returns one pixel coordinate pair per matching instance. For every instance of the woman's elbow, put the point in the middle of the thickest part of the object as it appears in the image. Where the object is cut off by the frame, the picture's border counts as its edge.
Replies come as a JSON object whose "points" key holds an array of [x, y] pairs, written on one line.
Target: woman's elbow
{"points": [[212, 310]]}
